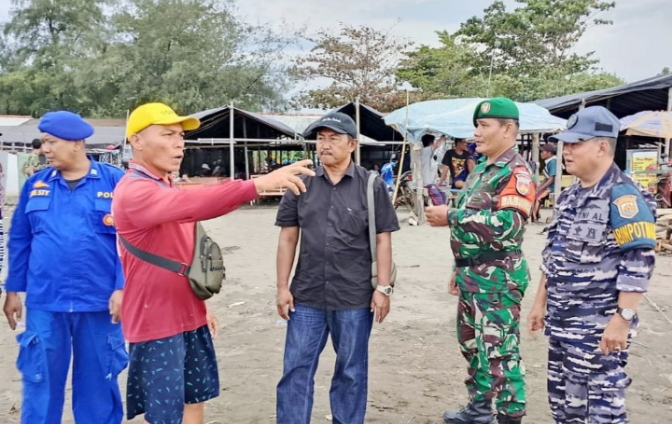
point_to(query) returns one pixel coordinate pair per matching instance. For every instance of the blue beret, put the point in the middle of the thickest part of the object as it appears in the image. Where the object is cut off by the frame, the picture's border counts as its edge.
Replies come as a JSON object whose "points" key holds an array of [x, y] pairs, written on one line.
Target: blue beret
{"points": [[65, 125]]}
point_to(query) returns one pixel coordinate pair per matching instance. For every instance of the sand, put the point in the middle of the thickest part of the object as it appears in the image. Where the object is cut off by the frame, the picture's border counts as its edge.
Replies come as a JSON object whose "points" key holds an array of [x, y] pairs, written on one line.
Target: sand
{"points": [[416, 370]]}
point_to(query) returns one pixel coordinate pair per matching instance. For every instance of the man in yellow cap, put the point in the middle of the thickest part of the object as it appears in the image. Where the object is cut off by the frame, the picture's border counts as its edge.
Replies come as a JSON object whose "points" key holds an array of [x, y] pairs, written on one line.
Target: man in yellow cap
{"points": [[172, 368], [490, 273]]}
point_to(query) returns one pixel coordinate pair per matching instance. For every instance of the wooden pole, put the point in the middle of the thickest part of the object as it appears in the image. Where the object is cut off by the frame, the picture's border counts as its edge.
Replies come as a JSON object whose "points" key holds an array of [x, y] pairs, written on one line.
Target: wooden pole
{"points": [[358, 152], [247, 162], [535, 151], [231, 142], [669, 109], [400, 164], [558, 172]]}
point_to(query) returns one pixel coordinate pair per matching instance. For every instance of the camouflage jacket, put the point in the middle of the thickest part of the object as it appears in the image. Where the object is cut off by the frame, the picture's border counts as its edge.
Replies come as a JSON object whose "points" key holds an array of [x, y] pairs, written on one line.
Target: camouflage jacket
{"points": [[600, 242], [490, 216], [33, 161]]}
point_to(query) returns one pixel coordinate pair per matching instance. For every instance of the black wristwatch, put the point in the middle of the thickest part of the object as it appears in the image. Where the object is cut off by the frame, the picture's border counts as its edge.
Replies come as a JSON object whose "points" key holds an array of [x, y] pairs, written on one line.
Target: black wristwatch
{"points": [[626, 314]]}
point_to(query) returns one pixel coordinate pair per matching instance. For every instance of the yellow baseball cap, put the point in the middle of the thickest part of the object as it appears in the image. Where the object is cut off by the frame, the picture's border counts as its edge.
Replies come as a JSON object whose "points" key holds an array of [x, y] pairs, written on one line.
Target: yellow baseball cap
{"points": [[157, 114]]}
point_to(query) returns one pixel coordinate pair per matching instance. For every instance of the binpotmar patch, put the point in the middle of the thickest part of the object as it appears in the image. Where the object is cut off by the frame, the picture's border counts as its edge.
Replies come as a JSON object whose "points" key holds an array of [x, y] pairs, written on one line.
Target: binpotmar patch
{"points": [[631, 218], [627, 206]]}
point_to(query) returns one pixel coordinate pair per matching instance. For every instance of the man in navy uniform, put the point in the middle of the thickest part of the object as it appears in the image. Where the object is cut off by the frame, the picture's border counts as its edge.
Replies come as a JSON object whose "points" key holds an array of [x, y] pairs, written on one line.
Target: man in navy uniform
{"points": [[597, 263]]}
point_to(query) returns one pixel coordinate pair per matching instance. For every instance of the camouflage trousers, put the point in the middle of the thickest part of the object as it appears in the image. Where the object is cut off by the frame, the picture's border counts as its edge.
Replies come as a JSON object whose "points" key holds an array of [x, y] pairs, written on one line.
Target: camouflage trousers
{"points": [[488, 330], [585, 386]]}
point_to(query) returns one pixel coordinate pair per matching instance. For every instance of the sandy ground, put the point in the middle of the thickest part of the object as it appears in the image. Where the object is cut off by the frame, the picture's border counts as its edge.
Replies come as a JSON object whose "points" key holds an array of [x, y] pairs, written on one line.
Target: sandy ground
{"points": [[416, 370]]}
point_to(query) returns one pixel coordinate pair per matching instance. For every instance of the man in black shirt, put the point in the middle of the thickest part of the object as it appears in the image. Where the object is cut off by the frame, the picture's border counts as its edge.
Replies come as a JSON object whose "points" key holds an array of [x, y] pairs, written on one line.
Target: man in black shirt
{"points": [[454, 161], [331, 292]]}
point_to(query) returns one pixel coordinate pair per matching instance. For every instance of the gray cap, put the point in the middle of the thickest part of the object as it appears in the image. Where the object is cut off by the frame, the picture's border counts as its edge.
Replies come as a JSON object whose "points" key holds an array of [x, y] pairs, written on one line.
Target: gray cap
{"points": [[593, 121]]}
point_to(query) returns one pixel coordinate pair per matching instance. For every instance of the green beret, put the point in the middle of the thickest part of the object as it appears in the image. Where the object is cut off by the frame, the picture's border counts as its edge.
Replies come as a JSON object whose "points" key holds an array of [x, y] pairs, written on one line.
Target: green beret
{"points": [[498, 107]]}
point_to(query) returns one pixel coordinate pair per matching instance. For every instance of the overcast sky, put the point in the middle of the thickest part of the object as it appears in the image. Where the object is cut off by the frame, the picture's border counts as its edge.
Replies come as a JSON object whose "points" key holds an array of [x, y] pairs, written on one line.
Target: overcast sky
{"points": [[637, 46]]}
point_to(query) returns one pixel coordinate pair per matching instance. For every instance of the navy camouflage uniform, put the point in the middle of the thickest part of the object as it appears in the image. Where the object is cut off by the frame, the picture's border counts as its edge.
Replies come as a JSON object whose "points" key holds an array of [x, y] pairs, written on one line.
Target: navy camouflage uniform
{"points": [[600, 243]]}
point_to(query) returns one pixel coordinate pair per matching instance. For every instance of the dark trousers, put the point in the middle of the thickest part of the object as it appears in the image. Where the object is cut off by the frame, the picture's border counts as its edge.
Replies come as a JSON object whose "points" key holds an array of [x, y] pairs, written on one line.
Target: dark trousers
{"points": [[307, 332]]}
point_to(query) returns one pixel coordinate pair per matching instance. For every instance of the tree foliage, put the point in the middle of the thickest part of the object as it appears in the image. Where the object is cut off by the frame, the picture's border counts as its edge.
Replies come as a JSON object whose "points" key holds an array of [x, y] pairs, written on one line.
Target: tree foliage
{"points": [[103, 57], [358, 61], [530, 52]]}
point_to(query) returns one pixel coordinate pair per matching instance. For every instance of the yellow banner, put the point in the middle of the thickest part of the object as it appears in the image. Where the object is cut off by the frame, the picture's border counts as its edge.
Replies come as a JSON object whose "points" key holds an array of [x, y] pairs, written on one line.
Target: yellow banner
{"points": [[646, 160]]}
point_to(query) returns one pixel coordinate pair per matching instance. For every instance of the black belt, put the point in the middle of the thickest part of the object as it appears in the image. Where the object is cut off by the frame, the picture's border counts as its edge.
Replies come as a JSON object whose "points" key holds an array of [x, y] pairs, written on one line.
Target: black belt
{"points": [[484, 258]]}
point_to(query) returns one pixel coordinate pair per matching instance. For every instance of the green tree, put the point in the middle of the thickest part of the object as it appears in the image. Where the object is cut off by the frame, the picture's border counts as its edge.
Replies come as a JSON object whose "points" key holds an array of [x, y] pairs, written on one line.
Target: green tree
{"points": [[539, 33], [440, 72], [41, 46], [191, 54], [665, 71], [529, 51], [359, 61]]}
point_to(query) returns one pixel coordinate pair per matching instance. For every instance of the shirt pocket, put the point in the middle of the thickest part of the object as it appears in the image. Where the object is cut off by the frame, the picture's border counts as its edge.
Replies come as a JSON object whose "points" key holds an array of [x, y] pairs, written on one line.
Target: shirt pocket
{"points": [[101, 216], [585, 242], [481, 201], [37, 210], [355, 222]]}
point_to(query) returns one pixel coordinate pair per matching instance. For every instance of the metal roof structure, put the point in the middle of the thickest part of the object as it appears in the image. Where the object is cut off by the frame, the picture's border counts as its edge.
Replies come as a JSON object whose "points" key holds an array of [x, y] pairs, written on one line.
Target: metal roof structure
{"points": [[371, 122], [628, 99], [102, 137], [216, 124]]}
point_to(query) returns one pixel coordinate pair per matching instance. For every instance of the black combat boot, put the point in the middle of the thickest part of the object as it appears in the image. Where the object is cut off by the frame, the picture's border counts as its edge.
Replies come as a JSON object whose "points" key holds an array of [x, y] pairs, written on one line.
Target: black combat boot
{"points": [[473, 413], [503, 419]]}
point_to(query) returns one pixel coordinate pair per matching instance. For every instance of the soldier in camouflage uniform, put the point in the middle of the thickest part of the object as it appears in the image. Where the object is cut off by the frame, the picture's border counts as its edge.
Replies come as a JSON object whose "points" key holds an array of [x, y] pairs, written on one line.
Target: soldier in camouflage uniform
{"points": [[36, 161], [597, 262], [490, 272]]}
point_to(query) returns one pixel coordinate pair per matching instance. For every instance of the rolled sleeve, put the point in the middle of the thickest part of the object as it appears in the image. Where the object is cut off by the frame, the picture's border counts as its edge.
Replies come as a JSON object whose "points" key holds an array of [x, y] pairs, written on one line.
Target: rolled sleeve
{"points": [[635, 270], [288, 212], [386, 216]]}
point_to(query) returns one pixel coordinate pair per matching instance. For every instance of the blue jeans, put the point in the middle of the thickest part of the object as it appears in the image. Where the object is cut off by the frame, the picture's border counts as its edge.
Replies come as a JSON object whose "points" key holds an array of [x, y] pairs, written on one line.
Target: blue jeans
{"points": [[99, 355], [307, 332]]}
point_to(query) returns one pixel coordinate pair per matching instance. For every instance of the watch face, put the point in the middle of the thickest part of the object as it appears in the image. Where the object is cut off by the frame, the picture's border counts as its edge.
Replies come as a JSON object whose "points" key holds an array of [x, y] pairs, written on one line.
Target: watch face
{"points": [[627, 314]]}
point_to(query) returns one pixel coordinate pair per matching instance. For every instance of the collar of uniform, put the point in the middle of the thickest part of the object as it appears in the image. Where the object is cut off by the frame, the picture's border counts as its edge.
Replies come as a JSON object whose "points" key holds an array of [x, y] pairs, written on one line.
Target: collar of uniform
{"points": [[350, 172], [597, 192], [94, 171], [136, 166], [505, 158]]}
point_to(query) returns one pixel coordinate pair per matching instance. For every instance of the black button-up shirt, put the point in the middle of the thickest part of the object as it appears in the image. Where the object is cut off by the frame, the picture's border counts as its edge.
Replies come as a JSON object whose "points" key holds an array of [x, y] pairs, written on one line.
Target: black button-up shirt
{"points": [[334, 267]]}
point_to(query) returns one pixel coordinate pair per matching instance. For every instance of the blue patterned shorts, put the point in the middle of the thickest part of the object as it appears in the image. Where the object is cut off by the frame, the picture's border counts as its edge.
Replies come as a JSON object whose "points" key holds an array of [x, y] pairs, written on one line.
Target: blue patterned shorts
{"points": [[165, 374]]}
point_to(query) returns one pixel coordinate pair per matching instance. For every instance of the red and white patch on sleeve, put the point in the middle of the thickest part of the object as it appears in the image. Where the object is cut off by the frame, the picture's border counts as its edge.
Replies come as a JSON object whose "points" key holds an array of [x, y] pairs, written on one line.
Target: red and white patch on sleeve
{"points": [[519, 193]]}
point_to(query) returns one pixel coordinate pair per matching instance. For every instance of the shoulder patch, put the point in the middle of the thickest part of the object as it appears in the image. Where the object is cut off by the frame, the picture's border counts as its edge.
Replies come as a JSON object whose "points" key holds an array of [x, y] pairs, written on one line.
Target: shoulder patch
{"points": [[519, 193], [626, 205], [632, 220]]}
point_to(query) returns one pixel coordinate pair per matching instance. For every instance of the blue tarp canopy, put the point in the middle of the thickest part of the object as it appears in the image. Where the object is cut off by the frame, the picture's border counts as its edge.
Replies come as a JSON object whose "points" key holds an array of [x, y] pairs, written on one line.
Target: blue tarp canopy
{"points": [[454, 118]]}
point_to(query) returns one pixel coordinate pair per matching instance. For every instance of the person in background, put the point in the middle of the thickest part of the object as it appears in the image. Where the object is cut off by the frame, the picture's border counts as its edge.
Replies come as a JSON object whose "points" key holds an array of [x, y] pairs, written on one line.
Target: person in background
{"points": [[596, 266], [173, 368], [548, 186], [331, 292], [453, 161], [36, 161], [471, 161], [205, 170], [429, 173], [63, 255]]}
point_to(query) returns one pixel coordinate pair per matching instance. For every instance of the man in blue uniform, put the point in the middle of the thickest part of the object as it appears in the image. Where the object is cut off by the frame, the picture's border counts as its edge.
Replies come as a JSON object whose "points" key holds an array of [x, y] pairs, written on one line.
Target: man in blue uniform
{"points": [[597, 263], [63, 255]]}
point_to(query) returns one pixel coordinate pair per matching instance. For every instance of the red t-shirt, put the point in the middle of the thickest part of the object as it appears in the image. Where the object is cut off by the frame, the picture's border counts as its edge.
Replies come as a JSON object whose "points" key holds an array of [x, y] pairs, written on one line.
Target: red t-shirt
{"points": [[158, 217]]}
